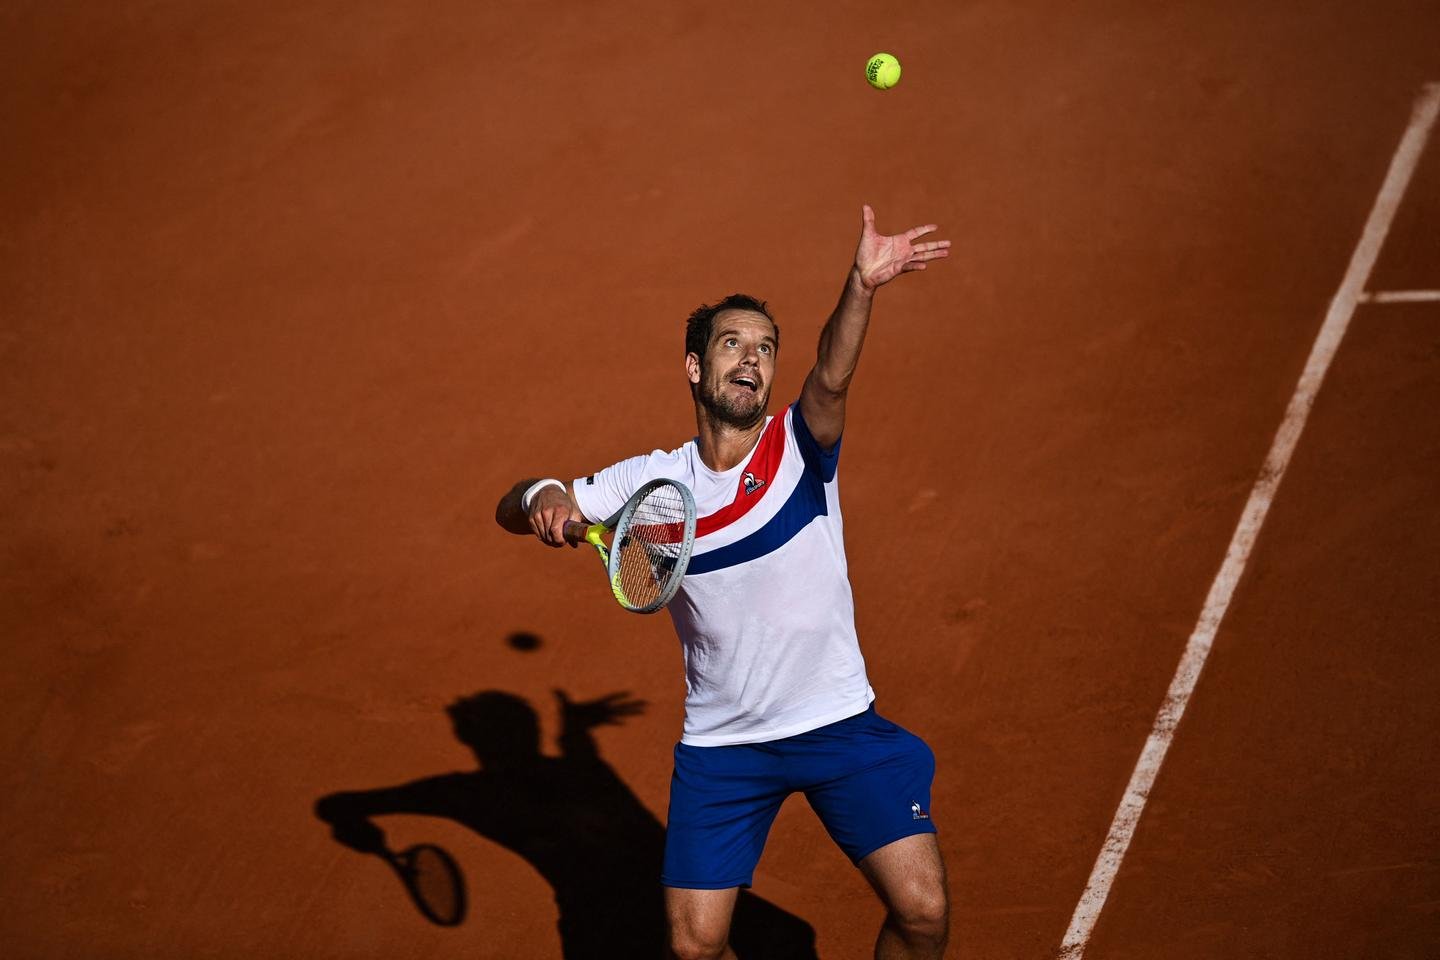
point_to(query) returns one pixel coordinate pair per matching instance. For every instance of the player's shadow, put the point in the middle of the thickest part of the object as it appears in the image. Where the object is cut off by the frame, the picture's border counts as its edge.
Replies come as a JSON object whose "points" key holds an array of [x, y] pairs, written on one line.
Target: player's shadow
{"points": [[572, 818]]}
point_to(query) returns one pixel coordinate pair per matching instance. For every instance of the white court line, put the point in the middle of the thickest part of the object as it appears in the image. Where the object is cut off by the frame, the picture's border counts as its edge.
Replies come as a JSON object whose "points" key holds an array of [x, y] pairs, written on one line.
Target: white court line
{"points": [[1401, 296], [1337, 319]]}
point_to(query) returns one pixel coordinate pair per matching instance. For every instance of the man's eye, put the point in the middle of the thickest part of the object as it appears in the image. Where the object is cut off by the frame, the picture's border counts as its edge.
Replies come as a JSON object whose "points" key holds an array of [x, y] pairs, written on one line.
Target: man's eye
{"points": [[731, 342], [764, 348]]}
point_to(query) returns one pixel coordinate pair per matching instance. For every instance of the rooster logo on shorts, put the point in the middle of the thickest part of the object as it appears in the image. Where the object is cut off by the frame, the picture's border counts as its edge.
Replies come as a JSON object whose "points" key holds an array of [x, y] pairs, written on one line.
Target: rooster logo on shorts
{"points": [[752, 483], [916, 813]]}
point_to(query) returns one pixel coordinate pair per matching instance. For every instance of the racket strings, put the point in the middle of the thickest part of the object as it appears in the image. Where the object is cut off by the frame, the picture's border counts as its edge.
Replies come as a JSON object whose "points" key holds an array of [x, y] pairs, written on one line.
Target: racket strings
{"points": [[649, 546]]}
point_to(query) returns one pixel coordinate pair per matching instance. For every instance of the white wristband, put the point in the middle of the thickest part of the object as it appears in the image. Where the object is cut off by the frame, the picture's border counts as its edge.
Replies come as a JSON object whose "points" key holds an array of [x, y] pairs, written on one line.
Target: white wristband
{"points": [[535, 488]]}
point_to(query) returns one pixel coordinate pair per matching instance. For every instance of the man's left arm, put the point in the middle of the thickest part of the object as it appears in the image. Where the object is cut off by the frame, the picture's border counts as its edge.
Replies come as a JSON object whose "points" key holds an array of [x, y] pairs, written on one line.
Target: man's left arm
{"points": [[878, 260]]}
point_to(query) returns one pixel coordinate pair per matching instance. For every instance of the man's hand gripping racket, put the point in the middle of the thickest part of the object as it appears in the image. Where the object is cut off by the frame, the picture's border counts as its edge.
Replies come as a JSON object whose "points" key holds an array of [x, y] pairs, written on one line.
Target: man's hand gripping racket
{"points": [[645, 546]]}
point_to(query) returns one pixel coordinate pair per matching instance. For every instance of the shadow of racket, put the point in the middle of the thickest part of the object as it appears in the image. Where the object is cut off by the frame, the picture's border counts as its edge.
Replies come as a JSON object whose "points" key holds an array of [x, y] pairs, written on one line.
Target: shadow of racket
{"points": [[433, 880]]}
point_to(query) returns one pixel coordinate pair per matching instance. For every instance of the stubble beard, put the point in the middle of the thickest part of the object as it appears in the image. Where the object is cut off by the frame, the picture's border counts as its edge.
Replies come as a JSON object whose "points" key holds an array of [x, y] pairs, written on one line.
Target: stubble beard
{"points": [[738, 412]]}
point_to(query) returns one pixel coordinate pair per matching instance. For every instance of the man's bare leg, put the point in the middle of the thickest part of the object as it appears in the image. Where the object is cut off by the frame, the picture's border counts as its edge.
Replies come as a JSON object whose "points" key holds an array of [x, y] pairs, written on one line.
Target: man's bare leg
{"points": [[700, 923], [909, 876]]}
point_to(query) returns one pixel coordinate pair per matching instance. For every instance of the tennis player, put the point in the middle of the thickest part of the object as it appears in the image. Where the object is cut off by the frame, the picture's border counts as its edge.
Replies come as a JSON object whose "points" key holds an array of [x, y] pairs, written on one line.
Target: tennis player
{"points": [[777, 696]]}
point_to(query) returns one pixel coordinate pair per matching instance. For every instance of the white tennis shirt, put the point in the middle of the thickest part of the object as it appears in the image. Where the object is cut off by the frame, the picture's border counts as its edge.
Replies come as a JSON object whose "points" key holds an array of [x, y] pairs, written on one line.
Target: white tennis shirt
{"points": [[765, 615]]}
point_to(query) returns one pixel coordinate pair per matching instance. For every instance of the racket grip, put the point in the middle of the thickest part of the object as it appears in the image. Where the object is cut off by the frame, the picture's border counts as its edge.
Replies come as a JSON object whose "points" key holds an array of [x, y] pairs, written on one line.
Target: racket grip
{"points": [[575, 532]]}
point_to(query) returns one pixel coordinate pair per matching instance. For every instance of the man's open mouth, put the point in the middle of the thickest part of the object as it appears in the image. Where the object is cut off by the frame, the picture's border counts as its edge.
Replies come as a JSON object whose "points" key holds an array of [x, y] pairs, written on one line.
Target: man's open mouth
{"points": [[749, 383]]}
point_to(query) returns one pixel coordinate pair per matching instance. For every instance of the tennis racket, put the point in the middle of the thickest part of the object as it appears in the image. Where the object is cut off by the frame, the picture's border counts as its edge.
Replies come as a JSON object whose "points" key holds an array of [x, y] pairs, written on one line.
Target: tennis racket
{"points": [[646, 545], [433, 880]]}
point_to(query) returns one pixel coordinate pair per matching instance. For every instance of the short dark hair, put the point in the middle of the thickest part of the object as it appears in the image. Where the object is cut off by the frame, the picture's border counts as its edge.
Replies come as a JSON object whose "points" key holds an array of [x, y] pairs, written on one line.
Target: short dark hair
{"points": [[701, 324]]}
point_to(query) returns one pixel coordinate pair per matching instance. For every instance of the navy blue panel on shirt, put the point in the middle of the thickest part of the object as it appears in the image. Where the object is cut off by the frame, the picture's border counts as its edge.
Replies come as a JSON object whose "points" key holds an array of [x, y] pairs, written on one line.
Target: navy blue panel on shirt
{"points": [[820, 461]]}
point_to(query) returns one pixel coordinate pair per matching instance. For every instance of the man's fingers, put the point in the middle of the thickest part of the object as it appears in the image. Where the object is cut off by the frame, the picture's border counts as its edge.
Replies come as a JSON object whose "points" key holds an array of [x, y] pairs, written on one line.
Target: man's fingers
{"points": [[933, 245], [549, 526], [912, 265], [867, 216], [914, 232], [930, 255]]}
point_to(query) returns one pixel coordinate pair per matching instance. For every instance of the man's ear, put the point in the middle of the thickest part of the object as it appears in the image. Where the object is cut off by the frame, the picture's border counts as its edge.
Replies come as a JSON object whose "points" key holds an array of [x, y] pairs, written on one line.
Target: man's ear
{"points": [[692, 367]]}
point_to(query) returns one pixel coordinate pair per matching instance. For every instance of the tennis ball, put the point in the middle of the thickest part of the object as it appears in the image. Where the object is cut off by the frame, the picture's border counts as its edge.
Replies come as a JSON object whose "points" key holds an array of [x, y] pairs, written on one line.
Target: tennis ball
{"points": [[883, 71]]}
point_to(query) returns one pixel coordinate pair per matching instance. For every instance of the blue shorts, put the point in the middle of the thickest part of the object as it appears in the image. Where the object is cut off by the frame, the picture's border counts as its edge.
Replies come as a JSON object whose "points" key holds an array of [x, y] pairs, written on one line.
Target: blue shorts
{"points": [[867, 779]]}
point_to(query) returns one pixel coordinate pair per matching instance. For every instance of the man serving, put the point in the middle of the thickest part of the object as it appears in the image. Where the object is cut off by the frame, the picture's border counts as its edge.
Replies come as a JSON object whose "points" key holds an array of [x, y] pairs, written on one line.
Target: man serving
{"points": [[777, 696]]}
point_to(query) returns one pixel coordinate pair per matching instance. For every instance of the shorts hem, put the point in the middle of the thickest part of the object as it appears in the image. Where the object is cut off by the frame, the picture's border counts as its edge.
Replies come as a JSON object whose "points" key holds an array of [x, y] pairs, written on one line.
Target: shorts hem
{"points": [[914, 830], [705, 884]]}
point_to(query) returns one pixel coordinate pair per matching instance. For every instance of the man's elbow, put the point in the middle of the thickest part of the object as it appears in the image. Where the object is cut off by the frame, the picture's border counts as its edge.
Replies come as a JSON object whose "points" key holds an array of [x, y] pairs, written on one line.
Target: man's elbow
{"points": [[828, 387], [509, 515]]}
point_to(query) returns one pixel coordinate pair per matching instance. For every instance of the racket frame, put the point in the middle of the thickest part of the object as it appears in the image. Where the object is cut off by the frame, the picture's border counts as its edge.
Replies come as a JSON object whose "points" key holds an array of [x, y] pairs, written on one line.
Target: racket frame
{"points": [[619, 522], [404, 865]]}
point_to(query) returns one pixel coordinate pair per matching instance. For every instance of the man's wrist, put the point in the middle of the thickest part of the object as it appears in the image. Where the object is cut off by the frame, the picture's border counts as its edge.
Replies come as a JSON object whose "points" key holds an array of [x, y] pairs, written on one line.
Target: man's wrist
{"points": [[856, 286], [528, 497]]}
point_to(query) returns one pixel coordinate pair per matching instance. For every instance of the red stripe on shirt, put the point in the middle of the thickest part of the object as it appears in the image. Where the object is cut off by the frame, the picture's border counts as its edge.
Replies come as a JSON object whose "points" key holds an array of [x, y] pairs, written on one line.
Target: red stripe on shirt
{"points": [[763, 466]]}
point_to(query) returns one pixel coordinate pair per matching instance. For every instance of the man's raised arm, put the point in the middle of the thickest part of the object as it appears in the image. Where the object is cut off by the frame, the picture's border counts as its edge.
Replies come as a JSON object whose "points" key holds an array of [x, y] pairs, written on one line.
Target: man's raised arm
{"points": [[550, 504], [878, 260]]}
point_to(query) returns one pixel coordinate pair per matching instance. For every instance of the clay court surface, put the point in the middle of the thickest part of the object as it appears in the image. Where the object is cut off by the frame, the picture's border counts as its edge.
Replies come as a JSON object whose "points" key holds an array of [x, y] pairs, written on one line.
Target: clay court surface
{"points": [[290, 294]]}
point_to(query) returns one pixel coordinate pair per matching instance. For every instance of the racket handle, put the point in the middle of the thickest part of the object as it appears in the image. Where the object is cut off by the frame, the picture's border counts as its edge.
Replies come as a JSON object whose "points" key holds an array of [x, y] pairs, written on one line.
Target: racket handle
{"points": [[575, 532]]}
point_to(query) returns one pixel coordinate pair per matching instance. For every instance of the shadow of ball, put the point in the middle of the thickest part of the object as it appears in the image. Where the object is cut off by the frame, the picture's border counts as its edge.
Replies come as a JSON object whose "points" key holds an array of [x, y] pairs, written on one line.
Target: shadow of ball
{"points": [[523, 641]]}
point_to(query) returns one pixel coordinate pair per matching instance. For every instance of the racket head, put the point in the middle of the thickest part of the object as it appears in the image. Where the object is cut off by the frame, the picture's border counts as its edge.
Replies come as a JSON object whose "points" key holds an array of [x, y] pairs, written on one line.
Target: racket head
{"points": [[434, 882], [650, 549]]}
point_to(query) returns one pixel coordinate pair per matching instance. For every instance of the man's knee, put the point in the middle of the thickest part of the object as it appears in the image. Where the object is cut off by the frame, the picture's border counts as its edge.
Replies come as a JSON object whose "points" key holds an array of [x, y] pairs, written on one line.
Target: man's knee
{"points": [[692, 944], [921, 909], [699, 922]]}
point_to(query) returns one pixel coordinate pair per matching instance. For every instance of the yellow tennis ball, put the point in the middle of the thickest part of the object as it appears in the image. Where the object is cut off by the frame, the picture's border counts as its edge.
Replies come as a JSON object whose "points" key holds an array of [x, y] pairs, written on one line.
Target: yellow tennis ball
{"points": [[883, 71]]}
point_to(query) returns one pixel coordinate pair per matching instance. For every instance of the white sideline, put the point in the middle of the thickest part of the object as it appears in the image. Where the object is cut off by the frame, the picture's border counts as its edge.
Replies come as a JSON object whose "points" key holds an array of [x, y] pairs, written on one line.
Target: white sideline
{"points": [[1401, 296], [1337, 319]]}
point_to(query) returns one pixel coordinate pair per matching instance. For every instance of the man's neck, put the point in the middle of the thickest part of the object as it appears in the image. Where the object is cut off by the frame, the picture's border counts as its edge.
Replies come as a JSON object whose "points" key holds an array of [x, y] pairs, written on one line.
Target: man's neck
{"points": [[723, 446]]}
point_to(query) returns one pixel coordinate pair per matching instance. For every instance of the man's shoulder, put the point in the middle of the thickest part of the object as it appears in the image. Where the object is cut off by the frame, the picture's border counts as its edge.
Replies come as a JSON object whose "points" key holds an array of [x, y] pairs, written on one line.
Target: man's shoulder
{"points": [[660, 457], [647, 466]]}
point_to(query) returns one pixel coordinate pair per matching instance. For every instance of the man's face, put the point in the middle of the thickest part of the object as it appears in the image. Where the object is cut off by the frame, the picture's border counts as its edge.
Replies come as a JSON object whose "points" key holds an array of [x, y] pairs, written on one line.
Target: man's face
{"points": [[733, 382]]}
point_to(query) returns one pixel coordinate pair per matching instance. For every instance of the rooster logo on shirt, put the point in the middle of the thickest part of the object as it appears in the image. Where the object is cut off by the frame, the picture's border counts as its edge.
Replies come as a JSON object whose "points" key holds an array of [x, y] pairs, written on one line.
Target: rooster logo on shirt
{"points": [[752, 483]]}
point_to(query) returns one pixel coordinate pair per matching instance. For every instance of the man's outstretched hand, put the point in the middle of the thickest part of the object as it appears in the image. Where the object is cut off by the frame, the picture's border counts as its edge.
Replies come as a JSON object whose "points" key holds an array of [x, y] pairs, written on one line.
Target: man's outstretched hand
{"points": [[880, 259]]}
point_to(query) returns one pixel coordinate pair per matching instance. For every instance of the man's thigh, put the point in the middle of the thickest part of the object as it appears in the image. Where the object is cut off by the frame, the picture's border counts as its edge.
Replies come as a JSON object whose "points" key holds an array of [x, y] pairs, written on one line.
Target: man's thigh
{"points": [[722, 803], [870, 783], [908, 874]]}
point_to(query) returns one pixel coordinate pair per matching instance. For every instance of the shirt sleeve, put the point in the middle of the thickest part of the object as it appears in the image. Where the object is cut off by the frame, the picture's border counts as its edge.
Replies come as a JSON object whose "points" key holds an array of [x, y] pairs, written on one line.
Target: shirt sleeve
{"points": [[822, 462], [601, 495]]}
